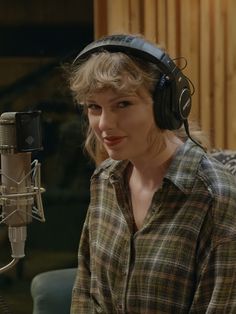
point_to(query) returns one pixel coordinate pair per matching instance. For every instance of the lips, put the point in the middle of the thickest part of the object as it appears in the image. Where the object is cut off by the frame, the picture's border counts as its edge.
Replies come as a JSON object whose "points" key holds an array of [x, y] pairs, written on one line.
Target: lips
{"points": [[113, 140]]}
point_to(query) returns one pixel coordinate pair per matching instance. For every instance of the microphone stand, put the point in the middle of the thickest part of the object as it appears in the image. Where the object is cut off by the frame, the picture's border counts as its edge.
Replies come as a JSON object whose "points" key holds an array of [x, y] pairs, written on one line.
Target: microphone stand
{"points": [[17, 234], [10, 265]]}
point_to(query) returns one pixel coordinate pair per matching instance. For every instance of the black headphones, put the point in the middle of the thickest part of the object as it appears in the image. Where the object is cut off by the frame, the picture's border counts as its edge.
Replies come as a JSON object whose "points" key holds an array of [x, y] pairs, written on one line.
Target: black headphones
{"points": [[172, 95]]}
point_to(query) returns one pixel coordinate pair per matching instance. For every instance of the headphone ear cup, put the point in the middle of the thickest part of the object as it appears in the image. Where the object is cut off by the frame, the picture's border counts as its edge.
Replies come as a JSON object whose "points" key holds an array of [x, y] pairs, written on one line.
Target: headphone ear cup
{"points": [[163, 103], [159, 103]]}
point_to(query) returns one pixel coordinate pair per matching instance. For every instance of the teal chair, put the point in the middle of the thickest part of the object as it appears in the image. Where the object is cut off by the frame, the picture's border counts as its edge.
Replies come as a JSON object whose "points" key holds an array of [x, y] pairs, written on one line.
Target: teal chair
{"points": [[51, 291]]}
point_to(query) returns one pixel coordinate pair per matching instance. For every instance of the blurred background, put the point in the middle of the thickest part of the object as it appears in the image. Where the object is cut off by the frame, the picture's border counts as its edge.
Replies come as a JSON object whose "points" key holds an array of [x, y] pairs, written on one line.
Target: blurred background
{"points": [[36, 38]]}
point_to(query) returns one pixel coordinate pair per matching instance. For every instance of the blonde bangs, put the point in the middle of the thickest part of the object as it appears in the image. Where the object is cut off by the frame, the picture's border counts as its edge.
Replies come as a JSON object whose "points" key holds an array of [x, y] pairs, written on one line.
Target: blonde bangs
{"points": [[109, 70]]}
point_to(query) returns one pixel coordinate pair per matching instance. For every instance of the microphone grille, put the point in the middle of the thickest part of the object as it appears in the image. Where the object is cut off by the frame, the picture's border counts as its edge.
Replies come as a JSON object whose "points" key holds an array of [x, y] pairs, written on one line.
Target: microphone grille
{"points": [[7, 133]]}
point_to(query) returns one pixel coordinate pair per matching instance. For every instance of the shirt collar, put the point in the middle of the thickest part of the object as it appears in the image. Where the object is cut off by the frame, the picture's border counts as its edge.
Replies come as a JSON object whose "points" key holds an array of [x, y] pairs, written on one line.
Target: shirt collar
{"points": [[184, 166], [181, 172]]}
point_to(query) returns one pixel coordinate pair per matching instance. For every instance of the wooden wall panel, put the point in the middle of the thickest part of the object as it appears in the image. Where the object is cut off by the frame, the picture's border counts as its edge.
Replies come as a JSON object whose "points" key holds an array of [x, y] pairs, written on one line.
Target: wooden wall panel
{"points": [[118, 16], [100, 18], [202, 31], [150, 20], [189, 47], [204, 67], [218, 72], [161, 30], [231, 73], [173, 28], [136, 18]]}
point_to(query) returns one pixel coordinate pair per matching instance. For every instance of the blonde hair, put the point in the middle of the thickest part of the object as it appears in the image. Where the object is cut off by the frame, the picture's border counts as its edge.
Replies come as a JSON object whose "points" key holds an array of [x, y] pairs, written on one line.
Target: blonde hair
{"points": [[121, 73]]}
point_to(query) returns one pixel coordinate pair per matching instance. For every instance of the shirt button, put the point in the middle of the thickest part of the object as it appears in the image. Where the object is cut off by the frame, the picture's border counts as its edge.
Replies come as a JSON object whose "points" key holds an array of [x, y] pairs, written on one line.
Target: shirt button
{"points": [[113, 178]]}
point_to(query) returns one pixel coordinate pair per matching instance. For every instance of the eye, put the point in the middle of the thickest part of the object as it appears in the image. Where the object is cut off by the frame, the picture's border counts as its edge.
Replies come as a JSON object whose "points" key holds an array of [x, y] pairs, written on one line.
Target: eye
{"points": [[93, 108], [124, 104]]}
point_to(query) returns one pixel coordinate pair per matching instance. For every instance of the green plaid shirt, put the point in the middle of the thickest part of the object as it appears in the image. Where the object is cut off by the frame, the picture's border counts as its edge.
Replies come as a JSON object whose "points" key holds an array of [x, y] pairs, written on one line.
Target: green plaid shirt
{"points": [[182, 260]]}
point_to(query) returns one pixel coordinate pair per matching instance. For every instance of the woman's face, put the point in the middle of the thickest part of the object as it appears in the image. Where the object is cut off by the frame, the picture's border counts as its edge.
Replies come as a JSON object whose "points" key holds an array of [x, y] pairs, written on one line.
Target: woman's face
{"points": [[123, 123]]}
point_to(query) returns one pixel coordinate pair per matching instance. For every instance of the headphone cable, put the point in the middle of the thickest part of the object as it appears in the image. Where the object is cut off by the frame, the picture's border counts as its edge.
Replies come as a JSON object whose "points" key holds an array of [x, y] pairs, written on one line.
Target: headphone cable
{"points": [[186, 126]]}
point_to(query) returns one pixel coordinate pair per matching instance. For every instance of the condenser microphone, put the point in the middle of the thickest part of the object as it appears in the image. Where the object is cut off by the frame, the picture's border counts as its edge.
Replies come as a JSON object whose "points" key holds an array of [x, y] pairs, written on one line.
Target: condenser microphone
{"points": [[20, 190]]}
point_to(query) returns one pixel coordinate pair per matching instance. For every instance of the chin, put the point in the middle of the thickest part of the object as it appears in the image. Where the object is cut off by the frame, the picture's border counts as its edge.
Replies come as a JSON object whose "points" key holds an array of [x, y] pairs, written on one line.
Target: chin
{"points": [[116, 155]]}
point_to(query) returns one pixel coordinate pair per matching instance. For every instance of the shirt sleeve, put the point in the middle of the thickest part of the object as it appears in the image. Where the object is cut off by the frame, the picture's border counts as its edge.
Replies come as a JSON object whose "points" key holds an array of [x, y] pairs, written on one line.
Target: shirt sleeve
{"points": [[81, 301], [216, 287]]}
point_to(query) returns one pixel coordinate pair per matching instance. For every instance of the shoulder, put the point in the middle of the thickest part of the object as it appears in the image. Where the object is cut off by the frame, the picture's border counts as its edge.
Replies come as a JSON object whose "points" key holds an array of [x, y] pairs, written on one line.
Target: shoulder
{"points": [[192, 166], [222, 186], [199, 174], [217, 176]]}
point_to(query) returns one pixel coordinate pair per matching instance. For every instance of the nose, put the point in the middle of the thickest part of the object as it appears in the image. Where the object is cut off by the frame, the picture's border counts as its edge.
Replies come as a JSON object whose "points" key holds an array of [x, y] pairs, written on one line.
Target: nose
{"points": [[107, 120]]}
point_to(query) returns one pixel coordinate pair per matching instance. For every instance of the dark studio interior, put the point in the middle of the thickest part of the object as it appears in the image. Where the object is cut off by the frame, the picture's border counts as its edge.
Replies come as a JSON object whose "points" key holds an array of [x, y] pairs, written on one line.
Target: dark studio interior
{"points": [[37, 39]]}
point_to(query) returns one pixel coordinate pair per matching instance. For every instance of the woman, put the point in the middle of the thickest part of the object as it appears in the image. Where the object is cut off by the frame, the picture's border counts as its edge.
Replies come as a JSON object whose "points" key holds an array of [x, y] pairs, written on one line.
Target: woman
{"points": [[160, 232]]}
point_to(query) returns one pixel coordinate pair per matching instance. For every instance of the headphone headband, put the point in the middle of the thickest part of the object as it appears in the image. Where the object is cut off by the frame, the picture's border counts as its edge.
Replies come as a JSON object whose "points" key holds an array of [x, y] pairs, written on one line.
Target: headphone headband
{"points": [[172, 96], [135, 46]]}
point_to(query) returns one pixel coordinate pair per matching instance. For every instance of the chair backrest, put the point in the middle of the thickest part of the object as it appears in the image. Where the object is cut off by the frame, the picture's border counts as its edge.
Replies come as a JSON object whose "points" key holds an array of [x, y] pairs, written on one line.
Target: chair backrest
{"points": [[227, 157]]}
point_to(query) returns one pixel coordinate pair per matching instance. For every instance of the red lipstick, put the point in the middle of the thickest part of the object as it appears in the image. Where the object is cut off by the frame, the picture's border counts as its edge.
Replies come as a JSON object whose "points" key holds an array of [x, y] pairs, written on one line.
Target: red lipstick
{"points": [[113, 140]]}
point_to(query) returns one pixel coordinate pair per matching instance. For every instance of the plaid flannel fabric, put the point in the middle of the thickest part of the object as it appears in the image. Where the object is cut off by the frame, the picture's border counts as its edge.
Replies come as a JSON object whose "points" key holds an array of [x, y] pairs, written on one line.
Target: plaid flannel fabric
{"points": [[182, 260]]}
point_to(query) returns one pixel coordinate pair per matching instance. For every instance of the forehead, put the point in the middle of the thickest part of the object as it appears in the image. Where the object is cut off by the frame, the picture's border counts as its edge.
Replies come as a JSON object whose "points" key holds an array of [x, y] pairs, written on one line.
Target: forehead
{"points": [[111, 91], [114, 94]]}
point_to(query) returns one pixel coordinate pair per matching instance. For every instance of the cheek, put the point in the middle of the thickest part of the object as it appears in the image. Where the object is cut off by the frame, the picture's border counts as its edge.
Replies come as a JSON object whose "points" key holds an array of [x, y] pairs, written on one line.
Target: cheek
{"points": [[145, 132], [93, 122], [141, 124]]}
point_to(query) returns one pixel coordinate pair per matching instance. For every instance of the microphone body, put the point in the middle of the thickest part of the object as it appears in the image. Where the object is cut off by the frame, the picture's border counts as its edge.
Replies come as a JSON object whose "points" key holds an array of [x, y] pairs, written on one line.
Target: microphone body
{"points": [[20, 191], [16, 183]]}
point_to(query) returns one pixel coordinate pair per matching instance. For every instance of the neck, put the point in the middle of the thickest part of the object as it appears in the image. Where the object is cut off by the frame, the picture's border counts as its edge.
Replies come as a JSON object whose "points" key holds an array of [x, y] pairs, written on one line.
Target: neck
{"points": [[150, 170]]}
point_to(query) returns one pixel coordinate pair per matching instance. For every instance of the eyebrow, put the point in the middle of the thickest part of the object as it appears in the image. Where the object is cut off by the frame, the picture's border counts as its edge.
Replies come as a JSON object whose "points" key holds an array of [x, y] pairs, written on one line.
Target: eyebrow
{"points": [[116, 97]]}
